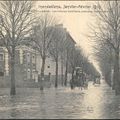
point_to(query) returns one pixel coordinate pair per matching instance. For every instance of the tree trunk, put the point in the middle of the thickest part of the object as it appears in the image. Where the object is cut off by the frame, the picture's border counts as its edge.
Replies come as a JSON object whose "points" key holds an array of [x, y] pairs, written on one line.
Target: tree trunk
{"points": [[111, 68], [43, 67], [61, 70], [12, 62], [72, 74], [72, 79], [116, 73], [66, 71], [42, 73], [56, 76]]}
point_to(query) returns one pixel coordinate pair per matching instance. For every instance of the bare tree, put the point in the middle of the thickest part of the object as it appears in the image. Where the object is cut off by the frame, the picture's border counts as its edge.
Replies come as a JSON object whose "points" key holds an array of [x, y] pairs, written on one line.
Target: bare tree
{"points": [[15, 25], [69, 45], [105, 55], [56, 45], [109, 32], [42, 37]]}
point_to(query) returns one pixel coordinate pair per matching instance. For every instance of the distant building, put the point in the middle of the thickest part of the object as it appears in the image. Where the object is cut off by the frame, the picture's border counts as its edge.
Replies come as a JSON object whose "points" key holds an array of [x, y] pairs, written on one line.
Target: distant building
{"points": [[27, 65]]}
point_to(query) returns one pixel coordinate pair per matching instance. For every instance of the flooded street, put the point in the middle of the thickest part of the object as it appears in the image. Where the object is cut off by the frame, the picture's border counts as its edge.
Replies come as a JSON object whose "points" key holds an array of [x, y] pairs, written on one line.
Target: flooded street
{"points": [[95, 103], [48, 49]]}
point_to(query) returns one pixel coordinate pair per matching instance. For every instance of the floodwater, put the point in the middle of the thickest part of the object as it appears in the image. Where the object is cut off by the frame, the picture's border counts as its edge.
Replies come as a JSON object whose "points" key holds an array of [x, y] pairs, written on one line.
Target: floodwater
{"points": [[98, 102]]}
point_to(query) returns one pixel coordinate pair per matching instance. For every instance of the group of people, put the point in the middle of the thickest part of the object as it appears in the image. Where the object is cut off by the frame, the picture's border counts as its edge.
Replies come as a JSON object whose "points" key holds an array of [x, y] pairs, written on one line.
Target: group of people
{"points": [[80, 79], [96, 80]]}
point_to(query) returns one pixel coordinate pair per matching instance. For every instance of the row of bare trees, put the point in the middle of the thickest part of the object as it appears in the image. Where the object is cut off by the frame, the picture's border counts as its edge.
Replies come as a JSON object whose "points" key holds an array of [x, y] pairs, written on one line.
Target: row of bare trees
{"points": [[107, 37], [51, 39], [18, 20]]}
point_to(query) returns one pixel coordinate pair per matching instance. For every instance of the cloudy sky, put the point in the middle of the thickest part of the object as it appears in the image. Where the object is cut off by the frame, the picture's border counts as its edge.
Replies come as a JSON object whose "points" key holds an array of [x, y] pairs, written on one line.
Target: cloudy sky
{"points": [[76, 17]]}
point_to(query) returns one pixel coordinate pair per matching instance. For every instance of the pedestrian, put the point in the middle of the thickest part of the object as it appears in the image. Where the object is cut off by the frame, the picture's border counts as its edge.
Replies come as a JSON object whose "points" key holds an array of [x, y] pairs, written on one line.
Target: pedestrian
{"points": [[99, 79], [82, 78], [94, 79], [86, 81]]}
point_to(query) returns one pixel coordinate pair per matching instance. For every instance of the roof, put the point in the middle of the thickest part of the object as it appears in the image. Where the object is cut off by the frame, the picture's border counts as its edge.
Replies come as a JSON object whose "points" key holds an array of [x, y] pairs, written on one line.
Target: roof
{"points": [[71, 38]]}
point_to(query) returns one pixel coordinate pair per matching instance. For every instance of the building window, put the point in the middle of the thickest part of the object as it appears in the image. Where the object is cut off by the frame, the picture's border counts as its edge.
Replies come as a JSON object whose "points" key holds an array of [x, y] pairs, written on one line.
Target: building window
{"points": [[33, 59], [28, 74], [48, 66], [1, 57], [33, 74], [28, 57]]}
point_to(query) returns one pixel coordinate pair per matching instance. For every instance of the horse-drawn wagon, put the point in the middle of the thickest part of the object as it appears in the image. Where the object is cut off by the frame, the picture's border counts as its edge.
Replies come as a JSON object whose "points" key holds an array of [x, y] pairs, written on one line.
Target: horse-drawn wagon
{"points": [[78, 79]]}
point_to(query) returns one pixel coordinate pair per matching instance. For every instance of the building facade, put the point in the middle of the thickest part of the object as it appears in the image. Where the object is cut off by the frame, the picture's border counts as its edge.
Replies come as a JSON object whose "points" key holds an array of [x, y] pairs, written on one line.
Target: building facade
{"points": [[28, 64]]}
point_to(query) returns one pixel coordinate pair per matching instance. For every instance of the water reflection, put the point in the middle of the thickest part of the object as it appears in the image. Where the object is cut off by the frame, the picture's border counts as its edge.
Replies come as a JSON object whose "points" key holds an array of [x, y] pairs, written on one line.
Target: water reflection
{"points": [[97, 102], [42, 102], [14, 112]]}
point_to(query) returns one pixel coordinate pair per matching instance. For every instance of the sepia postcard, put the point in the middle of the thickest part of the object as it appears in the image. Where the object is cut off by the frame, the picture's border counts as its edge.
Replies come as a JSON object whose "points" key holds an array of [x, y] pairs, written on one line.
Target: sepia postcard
{"points": [[59, 59]]}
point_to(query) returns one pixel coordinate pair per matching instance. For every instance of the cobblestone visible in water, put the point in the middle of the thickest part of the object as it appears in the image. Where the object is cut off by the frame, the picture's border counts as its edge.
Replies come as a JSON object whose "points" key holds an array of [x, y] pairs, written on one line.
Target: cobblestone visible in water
{"points": [[95, 103]]}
